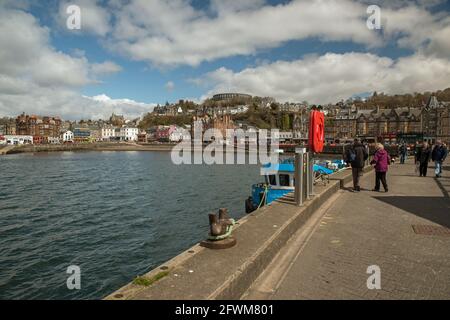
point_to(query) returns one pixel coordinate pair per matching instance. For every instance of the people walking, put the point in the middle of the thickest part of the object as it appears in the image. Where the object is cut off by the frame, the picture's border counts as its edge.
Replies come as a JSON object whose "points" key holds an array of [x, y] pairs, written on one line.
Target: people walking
{"points": [[403, 150], [356, 155], [381, 160], [438, 155], [423, 156]]}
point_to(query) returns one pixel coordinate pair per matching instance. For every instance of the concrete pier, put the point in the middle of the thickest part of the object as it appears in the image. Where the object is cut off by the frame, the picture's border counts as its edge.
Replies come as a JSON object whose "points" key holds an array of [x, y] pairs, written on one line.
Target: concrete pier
{"points": [[322, 250], [404, 232]]}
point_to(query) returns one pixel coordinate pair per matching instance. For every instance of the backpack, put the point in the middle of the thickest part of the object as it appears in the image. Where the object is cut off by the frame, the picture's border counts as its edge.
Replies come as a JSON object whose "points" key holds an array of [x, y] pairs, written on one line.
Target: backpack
{"points": [[351, 155]]}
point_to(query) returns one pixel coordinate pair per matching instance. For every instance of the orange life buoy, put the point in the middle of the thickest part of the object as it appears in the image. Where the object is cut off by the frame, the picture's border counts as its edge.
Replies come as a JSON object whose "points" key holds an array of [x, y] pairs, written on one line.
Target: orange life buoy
{"points": [[316, 131]]}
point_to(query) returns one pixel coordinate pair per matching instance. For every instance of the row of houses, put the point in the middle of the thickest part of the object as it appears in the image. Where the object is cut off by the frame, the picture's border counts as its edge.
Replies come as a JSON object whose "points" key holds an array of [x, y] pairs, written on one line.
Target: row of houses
{"points": [[171, 133], [77, 135], [428, 123]]}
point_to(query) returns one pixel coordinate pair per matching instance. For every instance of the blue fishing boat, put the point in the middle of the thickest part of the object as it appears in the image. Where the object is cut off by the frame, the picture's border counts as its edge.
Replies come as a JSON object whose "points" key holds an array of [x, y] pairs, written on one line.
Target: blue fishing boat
{"points": [[279, 181]]}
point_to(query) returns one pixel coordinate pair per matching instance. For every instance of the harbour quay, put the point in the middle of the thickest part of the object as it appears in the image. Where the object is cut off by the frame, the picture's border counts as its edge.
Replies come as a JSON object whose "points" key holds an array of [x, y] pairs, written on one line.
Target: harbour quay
{"points": [[343, 241]]}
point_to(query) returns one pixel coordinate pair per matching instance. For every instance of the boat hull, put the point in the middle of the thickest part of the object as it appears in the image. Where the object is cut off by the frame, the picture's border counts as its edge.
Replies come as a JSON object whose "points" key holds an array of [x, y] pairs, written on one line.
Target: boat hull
{"points": [[272, 194]]}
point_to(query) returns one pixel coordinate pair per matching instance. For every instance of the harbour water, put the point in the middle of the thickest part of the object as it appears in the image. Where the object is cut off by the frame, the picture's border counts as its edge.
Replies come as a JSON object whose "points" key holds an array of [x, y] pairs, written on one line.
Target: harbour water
{"points": [[116, 215]]}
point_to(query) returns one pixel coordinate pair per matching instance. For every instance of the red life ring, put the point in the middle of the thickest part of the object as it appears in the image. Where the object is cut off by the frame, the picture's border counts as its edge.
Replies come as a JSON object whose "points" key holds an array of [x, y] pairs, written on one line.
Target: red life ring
{"points": [[316, 131]]}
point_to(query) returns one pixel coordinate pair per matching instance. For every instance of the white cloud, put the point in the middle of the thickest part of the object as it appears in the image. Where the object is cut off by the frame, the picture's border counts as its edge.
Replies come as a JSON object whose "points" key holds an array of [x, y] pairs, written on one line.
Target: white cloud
{"points": [[95, 18], [173, 32], [105, 106], [25, 53], [38, 79], [69, 105], [439, 44], [331, 77], [229, 6], [170, 86], [396, 4], [106, 67]]}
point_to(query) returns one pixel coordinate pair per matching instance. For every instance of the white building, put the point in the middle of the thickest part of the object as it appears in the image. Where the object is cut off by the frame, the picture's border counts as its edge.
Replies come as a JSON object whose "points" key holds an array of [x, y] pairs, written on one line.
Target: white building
{"points": [[15, 140], [179, 134], [53, 140], [67, 136], [239, 109], [128, 134], [283, 135], [108, 133]]}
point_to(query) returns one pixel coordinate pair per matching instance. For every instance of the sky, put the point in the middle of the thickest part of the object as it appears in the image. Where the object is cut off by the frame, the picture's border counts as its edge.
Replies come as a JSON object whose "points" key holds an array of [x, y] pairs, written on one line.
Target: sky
{"points": [[129, 55]]}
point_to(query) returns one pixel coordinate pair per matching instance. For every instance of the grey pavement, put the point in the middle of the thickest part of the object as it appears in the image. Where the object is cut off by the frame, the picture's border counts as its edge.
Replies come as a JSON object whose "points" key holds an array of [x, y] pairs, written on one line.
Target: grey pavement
{"points": [[369, 228]]}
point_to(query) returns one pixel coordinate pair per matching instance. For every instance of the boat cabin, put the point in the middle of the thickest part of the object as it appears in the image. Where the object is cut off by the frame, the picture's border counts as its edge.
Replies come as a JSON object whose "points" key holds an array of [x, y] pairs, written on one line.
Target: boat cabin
{"points": [[279, 176]]}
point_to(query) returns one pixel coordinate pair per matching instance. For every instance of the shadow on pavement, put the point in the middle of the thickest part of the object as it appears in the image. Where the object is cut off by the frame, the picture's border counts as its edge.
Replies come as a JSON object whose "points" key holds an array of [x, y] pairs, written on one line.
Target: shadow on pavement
{"points": [[442, 187], [435, 209]]}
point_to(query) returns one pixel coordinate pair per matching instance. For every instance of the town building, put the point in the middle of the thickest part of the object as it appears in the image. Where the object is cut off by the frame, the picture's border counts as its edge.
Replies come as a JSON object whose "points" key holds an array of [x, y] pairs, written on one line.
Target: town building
{"points": [[229, 96], [167, 110], [18, 139], [179, 134], [425, 123], [53, 140], [300, 124], [108, 133], [7, 126], [67, 136], [38, 126], [117, 120], [128, 133], [162, 133], [142, 137], [81, 135], [282, 136]]}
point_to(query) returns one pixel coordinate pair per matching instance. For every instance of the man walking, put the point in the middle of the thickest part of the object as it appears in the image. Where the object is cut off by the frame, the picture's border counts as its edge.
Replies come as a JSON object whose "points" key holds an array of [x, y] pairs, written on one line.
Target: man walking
{"points": [[356, 155], [438, 156], [422, 159], [403, 150]]}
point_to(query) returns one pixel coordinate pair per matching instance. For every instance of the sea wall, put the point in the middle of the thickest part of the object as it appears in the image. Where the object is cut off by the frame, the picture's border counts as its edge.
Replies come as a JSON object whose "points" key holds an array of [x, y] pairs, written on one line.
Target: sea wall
{"points": [[101, 146]]}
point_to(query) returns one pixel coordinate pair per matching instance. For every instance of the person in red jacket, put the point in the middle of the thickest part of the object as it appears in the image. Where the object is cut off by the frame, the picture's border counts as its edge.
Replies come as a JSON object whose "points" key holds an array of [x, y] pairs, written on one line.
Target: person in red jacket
{"points": [[381, 160]]}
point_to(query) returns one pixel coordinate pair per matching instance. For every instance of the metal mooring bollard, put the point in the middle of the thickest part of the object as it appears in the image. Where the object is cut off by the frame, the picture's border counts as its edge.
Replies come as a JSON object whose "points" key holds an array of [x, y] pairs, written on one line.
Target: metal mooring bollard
{"points": [[220, 229]]}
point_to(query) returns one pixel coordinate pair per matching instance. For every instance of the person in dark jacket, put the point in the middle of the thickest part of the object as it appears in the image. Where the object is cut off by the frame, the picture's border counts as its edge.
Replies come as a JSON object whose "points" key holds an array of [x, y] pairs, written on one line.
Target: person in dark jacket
{"points": [[381, 160], [438, 156], [356, 155], [422, 158], [403, 150]]}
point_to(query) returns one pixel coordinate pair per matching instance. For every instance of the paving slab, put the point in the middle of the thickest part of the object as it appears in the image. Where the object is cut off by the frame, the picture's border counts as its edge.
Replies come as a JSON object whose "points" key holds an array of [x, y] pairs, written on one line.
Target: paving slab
{"points": [[370, 228]]}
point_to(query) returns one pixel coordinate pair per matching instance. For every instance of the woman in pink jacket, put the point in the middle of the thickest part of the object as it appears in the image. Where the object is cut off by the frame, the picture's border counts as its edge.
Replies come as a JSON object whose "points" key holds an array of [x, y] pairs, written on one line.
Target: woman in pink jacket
{"points": [[381, 160]]}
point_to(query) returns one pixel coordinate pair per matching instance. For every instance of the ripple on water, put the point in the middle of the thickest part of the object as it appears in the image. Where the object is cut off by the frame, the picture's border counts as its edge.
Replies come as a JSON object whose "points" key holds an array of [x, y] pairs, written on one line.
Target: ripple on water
{"points": [[116, 215]]}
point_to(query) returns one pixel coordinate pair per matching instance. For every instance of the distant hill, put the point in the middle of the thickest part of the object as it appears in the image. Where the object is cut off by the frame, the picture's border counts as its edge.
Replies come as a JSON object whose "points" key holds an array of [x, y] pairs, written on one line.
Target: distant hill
{"points": [[272, 117], [402, 100]]}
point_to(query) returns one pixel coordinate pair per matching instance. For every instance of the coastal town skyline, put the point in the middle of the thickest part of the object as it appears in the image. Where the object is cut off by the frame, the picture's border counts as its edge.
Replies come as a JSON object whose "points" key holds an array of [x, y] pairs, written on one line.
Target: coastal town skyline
{"points": [[392, 119], [125, 59]]}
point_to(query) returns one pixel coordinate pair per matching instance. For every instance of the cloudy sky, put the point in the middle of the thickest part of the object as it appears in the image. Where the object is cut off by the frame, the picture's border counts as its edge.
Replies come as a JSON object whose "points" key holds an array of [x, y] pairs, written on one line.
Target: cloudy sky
{"points": [[132, 54]]}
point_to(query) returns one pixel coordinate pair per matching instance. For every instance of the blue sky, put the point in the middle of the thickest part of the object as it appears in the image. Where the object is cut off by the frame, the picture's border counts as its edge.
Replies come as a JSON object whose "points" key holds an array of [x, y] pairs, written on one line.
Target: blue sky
{"points": [[130, 55]]}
